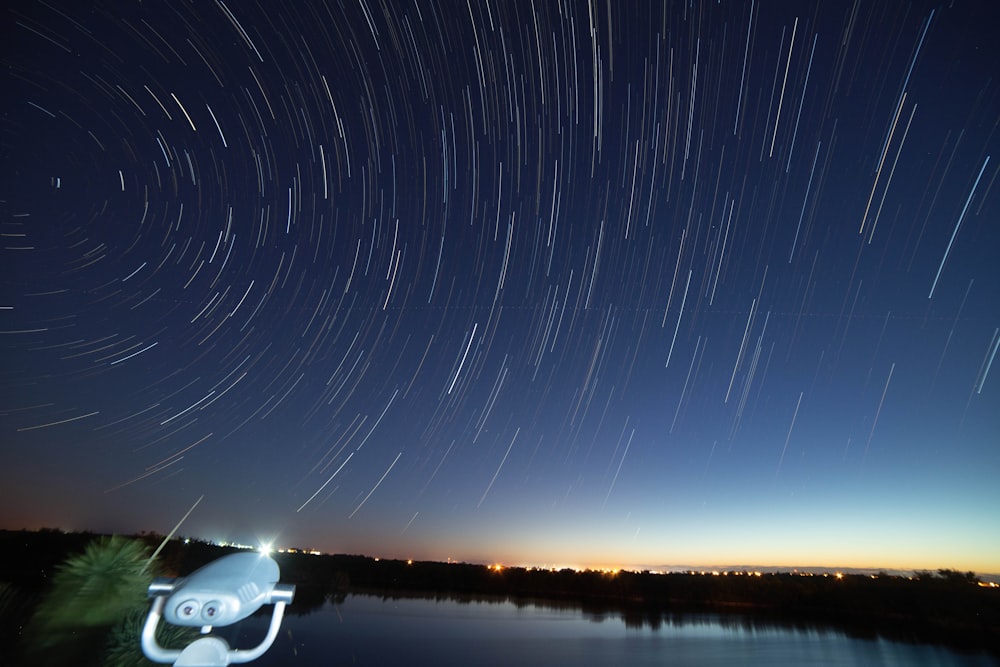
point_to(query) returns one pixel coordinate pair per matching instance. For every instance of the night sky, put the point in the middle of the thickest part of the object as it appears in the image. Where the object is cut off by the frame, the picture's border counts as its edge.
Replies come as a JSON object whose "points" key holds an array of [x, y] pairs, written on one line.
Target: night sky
{"points": [[537, 282]]}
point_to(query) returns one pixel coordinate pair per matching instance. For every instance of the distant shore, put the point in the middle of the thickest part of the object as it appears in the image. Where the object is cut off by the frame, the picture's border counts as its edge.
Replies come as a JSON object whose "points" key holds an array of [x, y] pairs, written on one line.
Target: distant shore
{"points": [[946, 607]]}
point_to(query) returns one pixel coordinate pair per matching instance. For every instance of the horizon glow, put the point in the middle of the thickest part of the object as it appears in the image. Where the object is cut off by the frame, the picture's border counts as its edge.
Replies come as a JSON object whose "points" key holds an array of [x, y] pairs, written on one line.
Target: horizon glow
{"points": [[701, 284]]}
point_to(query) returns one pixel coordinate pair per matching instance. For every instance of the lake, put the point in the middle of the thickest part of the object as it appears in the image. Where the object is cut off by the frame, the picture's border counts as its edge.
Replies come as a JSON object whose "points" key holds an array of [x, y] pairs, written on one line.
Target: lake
{"points": [[368, 630]]}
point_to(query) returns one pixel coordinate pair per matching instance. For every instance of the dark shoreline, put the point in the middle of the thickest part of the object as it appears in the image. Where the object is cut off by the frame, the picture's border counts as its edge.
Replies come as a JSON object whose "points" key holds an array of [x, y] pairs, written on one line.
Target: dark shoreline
{"points": [[946, 608], [735, 615], [639, 612]]}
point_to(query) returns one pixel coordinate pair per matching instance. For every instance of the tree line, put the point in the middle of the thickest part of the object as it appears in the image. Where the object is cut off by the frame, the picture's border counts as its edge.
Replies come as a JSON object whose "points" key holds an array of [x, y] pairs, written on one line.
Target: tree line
{"points": [[945, 607]]}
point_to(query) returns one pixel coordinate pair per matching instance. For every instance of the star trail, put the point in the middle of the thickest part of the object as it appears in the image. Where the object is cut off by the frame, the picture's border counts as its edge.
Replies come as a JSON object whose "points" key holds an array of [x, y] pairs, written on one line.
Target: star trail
{"points": [[531, 281]]}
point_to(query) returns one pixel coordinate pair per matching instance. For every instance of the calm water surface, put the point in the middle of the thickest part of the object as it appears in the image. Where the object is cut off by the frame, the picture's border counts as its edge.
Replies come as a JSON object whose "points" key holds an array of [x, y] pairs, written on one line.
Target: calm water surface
{"points": [[366, 630]]}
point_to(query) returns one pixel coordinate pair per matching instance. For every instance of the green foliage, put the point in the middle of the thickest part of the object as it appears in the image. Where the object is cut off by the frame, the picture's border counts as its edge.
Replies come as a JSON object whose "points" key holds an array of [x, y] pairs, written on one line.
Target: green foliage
{"points": [[123, 642], [97, 587], [92, 593]]}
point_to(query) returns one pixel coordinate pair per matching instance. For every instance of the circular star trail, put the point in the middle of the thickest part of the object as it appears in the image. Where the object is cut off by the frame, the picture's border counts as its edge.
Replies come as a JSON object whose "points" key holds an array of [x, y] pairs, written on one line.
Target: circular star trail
{"points": [[583, 282]]}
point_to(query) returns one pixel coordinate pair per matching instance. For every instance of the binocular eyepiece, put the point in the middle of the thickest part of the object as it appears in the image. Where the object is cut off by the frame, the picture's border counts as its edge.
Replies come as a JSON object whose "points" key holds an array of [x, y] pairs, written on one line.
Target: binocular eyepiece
{"points": [[221, 593]]}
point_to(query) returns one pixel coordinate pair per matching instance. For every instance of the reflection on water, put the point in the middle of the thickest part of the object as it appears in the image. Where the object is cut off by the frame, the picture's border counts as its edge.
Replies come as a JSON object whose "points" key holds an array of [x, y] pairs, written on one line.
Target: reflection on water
{"points": [[369, 630]]}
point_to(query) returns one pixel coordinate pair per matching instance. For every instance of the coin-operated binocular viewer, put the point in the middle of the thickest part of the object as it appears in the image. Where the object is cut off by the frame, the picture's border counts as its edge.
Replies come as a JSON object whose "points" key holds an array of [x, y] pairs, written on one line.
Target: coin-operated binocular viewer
{"points": [[221, 593]]}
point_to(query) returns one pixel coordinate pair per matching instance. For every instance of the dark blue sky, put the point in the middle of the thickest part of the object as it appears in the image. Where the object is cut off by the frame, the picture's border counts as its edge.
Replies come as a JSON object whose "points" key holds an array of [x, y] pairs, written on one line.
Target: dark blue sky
{"points": [[539, 282]]}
